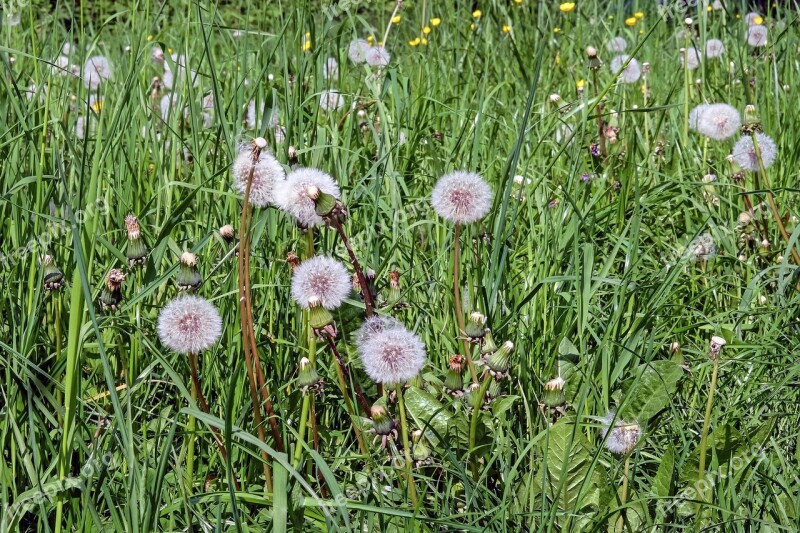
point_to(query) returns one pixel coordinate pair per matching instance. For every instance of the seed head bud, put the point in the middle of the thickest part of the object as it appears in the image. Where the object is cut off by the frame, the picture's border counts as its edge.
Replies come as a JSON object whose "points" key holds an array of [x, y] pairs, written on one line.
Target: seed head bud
{"points": [[475, 325], [554, 393], [454, 379], [189, 278], [53, 278], [715, 347], [320, 319], [421, 451], [591, 51], [675, 347], [394, 294], [308, 379], [292, 154], [594, 61], [111, 296], [688, 21], [227, 233], [555, 98], [474, 397], [500, 360], [293, 260], [488, 346], [136, 251], [382, 422]]}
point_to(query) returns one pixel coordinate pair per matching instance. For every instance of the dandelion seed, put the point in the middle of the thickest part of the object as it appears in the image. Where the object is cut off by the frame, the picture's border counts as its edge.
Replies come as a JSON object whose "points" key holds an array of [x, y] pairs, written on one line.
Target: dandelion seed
{"points": [[617, 45], [267, 173], [331, 100], [189, 324], [393, 355], [372, 326], [622, 438], [757, 36], [357, 50], [321, 279], [461, 197], [630, 73], [690, 57], [96, 70], [744, 152], [718, 121], [714, 48], [292, 195], [377, 56]]}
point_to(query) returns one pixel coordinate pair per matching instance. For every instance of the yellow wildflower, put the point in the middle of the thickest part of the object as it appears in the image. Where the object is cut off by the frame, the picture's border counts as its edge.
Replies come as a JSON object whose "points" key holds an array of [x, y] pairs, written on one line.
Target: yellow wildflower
{"points": [[370, 39], [169, 50], [630, 21], [424, 40], [477, 14], [580, 84], [472, 26], [436, 21], [149, 37], [414, 42], [517, 2], [758, 20], [566, 7], [556, 30], [396, 19], [97, 106], [639, 15], [709, 9], [426, 30], [506, 28]]}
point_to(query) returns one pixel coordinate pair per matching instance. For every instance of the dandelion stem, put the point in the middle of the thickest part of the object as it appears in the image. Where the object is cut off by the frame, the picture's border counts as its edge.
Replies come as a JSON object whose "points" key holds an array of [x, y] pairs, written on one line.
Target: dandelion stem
{"points": [[412, 489], [686, 91], [369, 303], [599, 111], [346, 395], [457, 298], [707, 423], [397, 7], [473, 426], [624, 497], [362, 400]]}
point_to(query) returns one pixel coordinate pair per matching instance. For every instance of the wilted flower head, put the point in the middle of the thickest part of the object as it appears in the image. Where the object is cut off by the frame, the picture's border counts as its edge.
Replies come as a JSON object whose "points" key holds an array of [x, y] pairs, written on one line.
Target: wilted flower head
{"points": [[321, 279], [377, 56], [620, 439], [617, 45], [292, 195], [757, 35], [267, 172], [461, 197], [701, 248], [331, 69], [96, 70], [331, 100], [691, 57], [714, 48], [392, 355], [189, 324], [718, 121], [744, 152], [630, 73], [357, 50]]}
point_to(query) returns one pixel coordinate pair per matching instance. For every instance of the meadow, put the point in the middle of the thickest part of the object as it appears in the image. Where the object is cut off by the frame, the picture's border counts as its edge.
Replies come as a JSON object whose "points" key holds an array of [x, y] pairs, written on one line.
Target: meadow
{"points": [[377, 266]]}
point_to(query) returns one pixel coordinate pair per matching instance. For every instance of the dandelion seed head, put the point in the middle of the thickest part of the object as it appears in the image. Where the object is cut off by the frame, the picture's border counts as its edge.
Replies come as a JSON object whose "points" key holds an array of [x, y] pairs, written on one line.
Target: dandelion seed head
{"points": [[331, 69], [461, 197], [695, 114], [331, 100], [372, 326], [292, 195], [96, 70], [744, 152], [377, 56], [719, 121], [620, 437], [393, 355], [630, 73], [702, 248], [757, 35], [617, 45], [321, 279], [714, 48], [267, 174], [357, 50], [690, 57], [189, 324]]}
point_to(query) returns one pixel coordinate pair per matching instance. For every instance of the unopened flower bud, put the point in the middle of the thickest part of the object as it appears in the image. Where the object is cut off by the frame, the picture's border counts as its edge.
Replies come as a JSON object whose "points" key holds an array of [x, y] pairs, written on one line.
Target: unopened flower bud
{"points": [[474, 327], [111, 296], [320, 319], [227, 233], [382, 422], [136, 251], [189, 278], [308, 378], [554, 393], [500, 360]]}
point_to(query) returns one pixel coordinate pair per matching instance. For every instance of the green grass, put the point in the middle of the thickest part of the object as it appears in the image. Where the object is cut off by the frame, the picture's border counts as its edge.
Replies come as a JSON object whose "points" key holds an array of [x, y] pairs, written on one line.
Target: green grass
{"points": [[589, 280]]}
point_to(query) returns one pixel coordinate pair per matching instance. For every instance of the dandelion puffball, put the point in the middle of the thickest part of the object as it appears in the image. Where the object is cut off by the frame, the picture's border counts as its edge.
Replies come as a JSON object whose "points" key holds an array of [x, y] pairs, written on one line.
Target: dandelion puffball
{"points": [[96, 70], [189, 324], [718, 121], [744, 152], [392, 355], [331, 100], [757, 35], [630, 73], [461, 197], [331, 69], [321, 279], [702, 248], [620, 439], [695, 114], [690, 57], [714, 48], [292, 195], [617, 45], [377, 56], [357, 50], [267, 173]]}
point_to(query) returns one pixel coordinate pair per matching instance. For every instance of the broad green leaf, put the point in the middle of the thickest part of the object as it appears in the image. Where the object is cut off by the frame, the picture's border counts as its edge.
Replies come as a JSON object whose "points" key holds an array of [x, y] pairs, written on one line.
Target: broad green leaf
{"points": [[650, 391], [436, 419], [661, 486]]}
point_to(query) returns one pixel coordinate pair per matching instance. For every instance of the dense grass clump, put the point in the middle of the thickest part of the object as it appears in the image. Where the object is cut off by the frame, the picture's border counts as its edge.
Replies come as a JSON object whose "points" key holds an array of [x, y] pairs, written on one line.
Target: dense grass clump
{"points": [[435, 266]]}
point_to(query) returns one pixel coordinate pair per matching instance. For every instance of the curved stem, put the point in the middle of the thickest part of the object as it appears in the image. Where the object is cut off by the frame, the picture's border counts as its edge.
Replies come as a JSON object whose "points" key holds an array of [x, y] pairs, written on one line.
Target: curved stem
{"points": [[624, 497], [369, 302], [473, 426], [412, 488], [457, 298], [707, 423], [362, 400]]}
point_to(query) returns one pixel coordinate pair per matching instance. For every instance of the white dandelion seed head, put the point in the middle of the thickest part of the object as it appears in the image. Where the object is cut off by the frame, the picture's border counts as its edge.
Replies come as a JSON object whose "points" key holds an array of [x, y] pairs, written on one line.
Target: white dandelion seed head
{"points": [[393, 355], [702, 248], [80, 127], [631, 72], [691, 57], [96, 70], [157, 55], [714, 48], [563, 133], [267, 174], [357, 50], [189, 324], [372, 326], [292, 194], [622, 437], [60, 66], [377, 56], [461, 197], [280, 134], [695, 114], [617, 45], [331, 69], [744, 152], [719, 121], [757, 35], [321, 279], [716, 5], [331, 100]]}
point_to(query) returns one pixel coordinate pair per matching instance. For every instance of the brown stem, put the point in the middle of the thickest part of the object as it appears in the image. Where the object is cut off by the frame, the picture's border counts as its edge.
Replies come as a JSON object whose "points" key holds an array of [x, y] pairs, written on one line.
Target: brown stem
{"points": [[362, 400], [204, 407], [315, 437], [369, 302], [459, 310], [599, 110]]}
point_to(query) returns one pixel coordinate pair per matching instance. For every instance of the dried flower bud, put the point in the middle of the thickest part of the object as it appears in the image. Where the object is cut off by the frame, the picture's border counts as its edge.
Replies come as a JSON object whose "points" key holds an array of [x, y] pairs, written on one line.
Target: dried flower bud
{"points": [[189, 278], [320, 319], [292, 260], [454, 379], [475, 325], [500, 360], [716, 347], [111, 296], [136, 251], [308, 379], [227, 233], [554, 393], [53, 278]]}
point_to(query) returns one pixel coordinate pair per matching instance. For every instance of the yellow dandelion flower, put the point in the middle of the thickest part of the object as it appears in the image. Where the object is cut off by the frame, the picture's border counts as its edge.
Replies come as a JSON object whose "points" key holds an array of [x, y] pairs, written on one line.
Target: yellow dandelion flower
{"points": [[566, 7], [477, 14], [370, 39], [556, 30], [169, 50], [426, 30], [630, 21], [758, 20], [611, 17], [738, 16], [517, 2], [580, 84], [306, 46], [396, 19], [639, 15], [149, 37], [414, 42], [436, 21], [472, 26], [506, 28], [558, 58], [424, 40], [709, 9], [641, 32], [97, 106]]}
